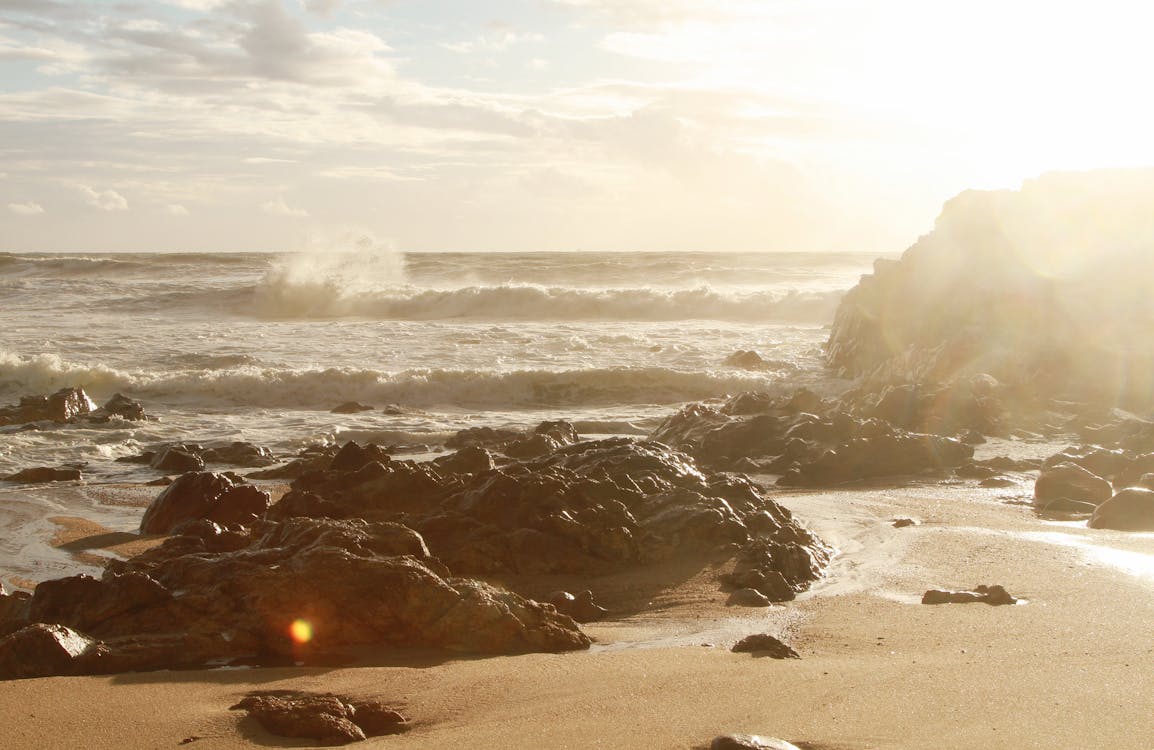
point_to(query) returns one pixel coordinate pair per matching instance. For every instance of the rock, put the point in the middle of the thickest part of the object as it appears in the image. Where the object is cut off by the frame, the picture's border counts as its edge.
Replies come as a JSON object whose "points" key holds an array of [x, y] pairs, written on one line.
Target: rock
{"points": [[43, 474], [989, 288], [746, 360], [901, 523], [1065, 506], [323, 717], [352, 457], [749, 742], [65, 405], [203, 495], [994, 595], [1070, 482], [748, 598], [1131, 509], [125, 408], [485, 437], [239, 454], [351, 407], [43, 650], [996, 482], [581, 607], [177, 459], [96, 606], [764, 644], [470, 460], [14, 609]]}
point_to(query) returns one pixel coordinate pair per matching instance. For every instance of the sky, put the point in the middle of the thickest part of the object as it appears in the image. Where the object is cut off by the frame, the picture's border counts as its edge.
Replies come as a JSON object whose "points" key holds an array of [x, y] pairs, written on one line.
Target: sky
{"points": [[429, 125]]}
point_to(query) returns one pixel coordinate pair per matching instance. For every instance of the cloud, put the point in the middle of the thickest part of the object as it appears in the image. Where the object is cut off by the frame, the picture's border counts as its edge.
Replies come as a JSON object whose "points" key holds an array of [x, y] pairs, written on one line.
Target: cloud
{"points": [[26, 209], [175, 209], [277, 207], [105, 200], [321, 7]]}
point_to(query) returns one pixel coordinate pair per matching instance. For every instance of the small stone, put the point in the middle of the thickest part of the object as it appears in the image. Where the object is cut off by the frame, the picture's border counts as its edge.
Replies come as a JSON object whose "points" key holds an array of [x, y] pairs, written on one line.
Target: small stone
{"points": [[901, 523], [993, 595], [749, 742]]}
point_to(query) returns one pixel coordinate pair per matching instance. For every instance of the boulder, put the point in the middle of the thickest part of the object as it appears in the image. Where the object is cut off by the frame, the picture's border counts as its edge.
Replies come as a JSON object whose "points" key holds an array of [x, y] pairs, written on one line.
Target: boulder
{"points": [[177, 459], [43, 650], [325, 718], [239, 453], [125, 408], [65, 405], [1068, 481], [351, 407], [747, 360], [44, 474], [197, 495], [1130, 509], [470, 460], [764, 644]]}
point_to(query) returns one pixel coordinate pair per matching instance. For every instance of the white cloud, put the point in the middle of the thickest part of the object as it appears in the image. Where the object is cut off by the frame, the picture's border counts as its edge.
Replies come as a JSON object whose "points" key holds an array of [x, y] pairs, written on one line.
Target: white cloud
{"points": [[278, 207], [105, 200], [175, 209], [26, 209]]}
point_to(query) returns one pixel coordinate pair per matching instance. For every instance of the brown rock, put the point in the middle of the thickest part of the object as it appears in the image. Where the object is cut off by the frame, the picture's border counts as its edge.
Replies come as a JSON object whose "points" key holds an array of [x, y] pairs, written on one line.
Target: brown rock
{"points": [[993, 595], [41, 650], [581, 607], [351, 407], [764, 644], [749, 742], [323, 717], [1070, 482], [43, 474], [1131, 509], [190, 496]]}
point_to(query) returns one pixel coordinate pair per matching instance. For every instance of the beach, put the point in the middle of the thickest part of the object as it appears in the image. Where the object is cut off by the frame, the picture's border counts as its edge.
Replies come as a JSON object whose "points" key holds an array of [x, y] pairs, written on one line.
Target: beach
{"points": [[877, 668]]}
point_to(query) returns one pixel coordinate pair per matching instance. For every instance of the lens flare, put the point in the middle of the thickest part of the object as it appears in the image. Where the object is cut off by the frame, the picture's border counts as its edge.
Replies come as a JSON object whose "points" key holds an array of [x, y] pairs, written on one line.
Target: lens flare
{"points": [[301, 631]]}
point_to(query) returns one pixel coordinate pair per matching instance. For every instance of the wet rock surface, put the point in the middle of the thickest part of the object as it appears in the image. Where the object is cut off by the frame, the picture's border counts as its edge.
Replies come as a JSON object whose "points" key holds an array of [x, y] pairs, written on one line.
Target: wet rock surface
{"points": [[1130, 509], [196, 495], [325, 718], [44, 474]]}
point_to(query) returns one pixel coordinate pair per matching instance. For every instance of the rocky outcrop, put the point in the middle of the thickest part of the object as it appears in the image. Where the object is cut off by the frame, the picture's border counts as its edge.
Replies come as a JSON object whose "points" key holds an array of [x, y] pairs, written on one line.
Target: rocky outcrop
{"points": [[1061, 484], [764, 644], [290, 589], [183, 457], [821, 446], [65, 405], [43, 474], [1035, 288]]}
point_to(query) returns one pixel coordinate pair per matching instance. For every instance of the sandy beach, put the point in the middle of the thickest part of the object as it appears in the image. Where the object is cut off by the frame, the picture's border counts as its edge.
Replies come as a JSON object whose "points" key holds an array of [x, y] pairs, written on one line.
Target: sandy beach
{"points": [[877, 669]]}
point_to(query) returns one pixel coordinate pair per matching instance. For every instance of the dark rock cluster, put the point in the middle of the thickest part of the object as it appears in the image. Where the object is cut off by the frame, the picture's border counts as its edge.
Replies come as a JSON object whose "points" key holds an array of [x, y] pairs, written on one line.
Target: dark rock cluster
{"points": [[806, 440], [325, 718], [67, 406]]}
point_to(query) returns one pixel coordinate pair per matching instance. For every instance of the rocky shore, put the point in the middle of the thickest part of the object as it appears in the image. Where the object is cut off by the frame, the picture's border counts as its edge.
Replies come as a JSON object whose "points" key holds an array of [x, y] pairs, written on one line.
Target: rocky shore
{"points": [[910, 487]]}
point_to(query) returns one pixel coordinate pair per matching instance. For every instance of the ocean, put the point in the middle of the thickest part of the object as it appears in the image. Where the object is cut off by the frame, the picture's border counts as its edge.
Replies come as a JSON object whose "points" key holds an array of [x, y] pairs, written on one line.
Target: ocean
{"points": [[261, 347]]}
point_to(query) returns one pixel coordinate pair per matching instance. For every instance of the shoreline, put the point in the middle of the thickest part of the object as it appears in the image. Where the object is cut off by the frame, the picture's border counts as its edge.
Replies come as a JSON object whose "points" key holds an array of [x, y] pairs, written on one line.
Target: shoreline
{"points": [[877, 669]]}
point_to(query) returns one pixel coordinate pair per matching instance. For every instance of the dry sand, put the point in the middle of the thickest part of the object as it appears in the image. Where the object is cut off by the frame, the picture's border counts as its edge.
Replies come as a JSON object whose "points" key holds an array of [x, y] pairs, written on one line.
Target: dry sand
{"points": [[1070, 668]]}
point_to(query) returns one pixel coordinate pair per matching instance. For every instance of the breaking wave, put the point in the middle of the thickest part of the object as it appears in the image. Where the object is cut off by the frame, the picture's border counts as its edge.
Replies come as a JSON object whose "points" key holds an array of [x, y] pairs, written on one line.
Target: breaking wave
{"points": [[258, 387]]}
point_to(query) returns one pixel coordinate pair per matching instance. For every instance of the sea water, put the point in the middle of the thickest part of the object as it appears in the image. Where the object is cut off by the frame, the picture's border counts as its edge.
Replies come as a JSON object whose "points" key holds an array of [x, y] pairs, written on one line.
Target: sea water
{"points": [[261, 347]]}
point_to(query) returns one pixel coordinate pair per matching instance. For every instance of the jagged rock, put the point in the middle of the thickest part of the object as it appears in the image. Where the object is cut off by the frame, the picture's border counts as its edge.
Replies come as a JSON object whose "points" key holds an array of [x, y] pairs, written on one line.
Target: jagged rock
{"points": [[749, 742], [313, 458], [177, 459], [196, 495], [766, 645], [14, 608], [43, 474], [351, 407], [96, 606], [747, 360], [581, 607], [1067, 481], [323, 717], [1130, 509], [65, 405], [125, 408], [994, 595], [353, 456]]}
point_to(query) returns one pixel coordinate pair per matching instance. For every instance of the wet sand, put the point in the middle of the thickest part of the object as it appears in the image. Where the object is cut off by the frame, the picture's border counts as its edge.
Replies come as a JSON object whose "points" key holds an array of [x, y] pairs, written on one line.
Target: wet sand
{"points": [[1070, 668]]}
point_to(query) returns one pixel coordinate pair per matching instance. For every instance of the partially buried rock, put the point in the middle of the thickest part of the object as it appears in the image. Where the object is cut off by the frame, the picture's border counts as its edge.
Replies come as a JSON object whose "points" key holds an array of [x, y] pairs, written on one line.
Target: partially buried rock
{"points": [[351, 407], [1131, 509], [994, 595], [749, 742], [323, 717], [177, 458], [764, 644], [43, 474], [581, 607], [901, 523], [748, 598], [472, 459]]}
